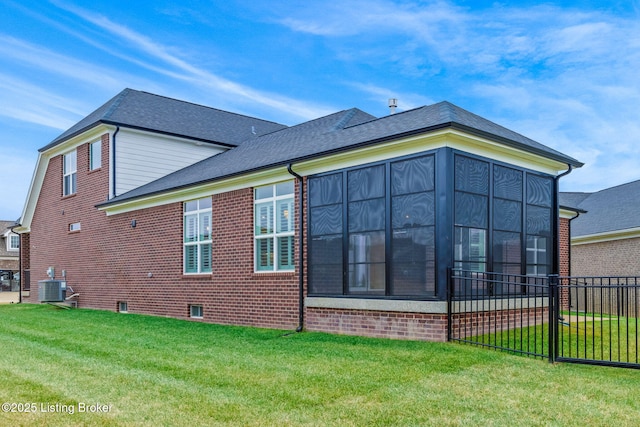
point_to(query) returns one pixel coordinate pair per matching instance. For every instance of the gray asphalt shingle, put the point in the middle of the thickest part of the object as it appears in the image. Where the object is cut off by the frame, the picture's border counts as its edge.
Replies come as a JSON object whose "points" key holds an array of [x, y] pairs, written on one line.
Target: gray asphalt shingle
{"points": [[143, 110], [340, 131], [611, 209], [260, 144]]}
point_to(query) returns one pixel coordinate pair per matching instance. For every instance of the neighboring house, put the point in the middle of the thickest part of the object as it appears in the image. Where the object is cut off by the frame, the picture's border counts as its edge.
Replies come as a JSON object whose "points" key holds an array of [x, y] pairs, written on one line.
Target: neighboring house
{"points": [[347, 223], [9, 256], [605, 237]]}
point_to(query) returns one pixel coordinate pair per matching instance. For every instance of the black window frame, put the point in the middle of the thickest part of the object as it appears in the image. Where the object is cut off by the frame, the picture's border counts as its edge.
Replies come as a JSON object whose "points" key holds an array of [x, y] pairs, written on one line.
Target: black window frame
{"points": [[387, 230], [444, 227]]}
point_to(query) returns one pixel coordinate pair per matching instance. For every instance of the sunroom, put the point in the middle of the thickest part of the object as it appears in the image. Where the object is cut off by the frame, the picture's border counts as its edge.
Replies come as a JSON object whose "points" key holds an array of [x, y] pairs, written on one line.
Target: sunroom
{"points": [[391, 229]]}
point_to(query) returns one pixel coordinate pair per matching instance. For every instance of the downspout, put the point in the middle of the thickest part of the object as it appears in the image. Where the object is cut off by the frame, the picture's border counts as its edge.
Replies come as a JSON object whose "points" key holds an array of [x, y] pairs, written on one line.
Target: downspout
{"points": [[113, 163], [556, 212], [300, 250]]}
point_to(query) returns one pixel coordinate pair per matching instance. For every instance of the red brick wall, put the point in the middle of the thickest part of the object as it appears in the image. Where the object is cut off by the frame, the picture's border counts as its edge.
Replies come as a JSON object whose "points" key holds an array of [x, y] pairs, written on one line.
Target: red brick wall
{"points": [[25, 261], [420, 326], [378, 324], [109, 260], [482, 322], [565, 248], [565, 258], [614, 258]]}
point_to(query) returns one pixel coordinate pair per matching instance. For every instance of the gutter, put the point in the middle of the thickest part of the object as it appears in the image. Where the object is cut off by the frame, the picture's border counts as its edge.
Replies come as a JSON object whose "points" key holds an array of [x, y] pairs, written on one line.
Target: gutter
{"points": [[300, 250]]}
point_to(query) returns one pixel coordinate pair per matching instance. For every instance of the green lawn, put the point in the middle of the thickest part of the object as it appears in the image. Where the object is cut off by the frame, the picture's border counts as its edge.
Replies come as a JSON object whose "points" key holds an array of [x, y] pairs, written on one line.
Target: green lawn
{"points": [[600, 337], [157, 371], [582, 336]]}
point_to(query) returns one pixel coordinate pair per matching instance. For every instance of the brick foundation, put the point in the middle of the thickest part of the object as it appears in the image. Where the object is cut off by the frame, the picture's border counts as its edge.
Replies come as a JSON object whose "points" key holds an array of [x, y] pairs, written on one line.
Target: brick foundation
{"points": [[378, 324]]}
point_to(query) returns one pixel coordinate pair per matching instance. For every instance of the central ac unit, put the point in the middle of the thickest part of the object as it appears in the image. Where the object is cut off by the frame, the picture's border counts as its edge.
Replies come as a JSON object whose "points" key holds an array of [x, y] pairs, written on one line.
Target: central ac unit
{"points": [[51, 290]]}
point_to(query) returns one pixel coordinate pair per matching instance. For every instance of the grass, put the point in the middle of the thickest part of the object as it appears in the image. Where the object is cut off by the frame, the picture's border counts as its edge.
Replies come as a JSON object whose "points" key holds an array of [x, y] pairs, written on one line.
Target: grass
{"points": [[166, 372], [601, 338], [593, 337]]}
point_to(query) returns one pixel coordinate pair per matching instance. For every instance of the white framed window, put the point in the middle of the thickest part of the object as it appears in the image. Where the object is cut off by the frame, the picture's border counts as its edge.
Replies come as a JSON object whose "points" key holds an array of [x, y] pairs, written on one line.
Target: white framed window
{"points": [[13, 242], [95, 155], [197, 236], [273, 224], [75, 226], [123, 307], [470, 249], [69, 173], [195, 311], [537, 263]]}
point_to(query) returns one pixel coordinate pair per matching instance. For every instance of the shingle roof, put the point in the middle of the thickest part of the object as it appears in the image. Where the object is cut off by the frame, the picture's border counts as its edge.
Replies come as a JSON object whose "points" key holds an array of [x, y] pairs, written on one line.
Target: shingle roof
{"points": [[572, 199], [611, 209], [341, 131], [143, 110], [5, 225]]}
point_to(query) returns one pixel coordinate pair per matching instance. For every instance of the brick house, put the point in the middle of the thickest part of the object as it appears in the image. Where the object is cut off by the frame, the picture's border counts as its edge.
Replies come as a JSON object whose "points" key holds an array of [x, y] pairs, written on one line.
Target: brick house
{"points": [[9, 256], [347, 223], [605, 235]]}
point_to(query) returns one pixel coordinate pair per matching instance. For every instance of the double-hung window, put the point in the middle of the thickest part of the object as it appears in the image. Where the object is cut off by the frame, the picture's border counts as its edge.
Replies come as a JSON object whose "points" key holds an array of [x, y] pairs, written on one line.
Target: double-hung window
{"points": [[70, 169], [197, 236], [95, 155], [274, 221], [13, 242]]}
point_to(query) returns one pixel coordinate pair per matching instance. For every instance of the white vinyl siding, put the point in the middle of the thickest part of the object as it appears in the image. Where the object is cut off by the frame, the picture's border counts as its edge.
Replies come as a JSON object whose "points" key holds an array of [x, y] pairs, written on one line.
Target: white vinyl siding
{"points": [[142, 158]]}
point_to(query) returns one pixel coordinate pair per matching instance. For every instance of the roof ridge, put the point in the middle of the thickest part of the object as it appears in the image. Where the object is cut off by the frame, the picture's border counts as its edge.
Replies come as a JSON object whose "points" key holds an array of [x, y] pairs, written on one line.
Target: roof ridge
{"points": [[447, 108], [617, 186], [386, 117], [342, 123], [116, 103], [204, 106]]}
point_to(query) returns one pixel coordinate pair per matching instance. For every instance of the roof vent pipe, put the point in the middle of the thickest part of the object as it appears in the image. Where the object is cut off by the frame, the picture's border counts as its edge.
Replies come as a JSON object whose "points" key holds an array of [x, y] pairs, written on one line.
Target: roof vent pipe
{"points": [[393, 103]]}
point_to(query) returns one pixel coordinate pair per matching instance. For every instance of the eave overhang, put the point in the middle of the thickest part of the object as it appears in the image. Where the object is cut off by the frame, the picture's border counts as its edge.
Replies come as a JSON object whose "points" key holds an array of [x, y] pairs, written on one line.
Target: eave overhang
{"points": [[408, 143], [606, 236]]}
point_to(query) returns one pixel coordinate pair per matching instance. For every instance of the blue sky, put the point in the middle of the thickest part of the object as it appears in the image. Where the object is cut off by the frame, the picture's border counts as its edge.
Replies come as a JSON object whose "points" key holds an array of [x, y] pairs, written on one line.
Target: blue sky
{"points": [[566, 74]]}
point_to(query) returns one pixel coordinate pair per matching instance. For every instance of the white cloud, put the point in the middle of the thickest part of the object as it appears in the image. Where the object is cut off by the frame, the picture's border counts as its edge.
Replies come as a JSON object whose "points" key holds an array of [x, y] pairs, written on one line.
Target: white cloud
{"points": [[30, 103], [339, 19], [55, 63], [194, 75]]}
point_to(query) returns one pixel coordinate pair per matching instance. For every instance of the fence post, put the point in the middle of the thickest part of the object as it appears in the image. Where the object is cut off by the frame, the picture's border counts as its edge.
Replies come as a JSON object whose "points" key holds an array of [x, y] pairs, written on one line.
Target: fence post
{"points": [[554, 314]]}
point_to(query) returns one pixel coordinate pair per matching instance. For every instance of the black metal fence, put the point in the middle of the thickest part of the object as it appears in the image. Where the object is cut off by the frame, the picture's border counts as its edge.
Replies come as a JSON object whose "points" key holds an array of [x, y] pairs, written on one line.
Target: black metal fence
{"points": [[500, 311], [572, 319], [598, 323]]}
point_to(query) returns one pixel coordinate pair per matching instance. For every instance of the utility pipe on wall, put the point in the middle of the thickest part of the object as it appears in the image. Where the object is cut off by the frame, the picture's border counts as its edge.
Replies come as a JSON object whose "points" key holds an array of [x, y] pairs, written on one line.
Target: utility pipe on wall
{"points": [[300, 249]]}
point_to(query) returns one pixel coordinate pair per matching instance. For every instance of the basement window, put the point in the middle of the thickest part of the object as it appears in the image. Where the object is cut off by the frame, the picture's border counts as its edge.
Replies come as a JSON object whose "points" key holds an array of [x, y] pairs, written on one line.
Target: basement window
{"points": [[195, 311], [122, 307]]}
